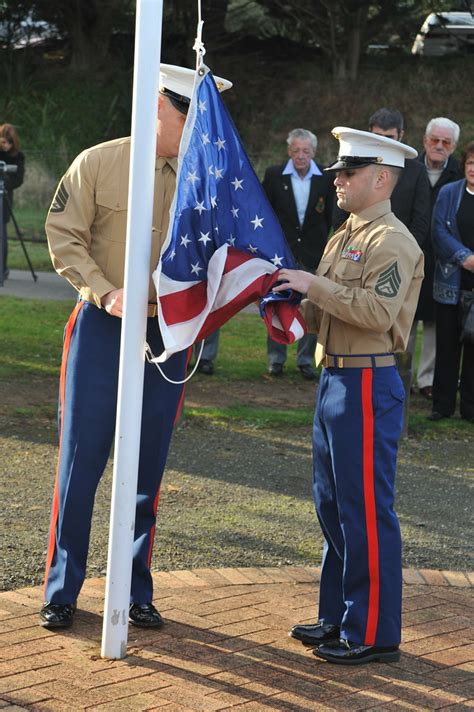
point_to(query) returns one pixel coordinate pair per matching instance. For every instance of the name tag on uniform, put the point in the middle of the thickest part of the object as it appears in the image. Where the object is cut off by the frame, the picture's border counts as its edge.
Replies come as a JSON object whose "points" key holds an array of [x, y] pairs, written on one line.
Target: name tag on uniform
{"points": [[350, 253]]}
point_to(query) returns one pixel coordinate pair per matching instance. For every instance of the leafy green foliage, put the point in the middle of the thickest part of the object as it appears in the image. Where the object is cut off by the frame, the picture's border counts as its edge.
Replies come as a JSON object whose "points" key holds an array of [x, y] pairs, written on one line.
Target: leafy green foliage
{"points": [[60, 117]]}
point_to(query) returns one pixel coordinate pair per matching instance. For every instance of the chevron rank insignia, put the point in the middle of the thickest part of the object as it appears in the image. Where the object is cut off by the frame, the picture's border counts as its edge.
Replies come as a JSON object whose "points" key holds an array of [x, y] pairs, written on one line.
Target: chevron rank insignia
{"points": [[388, 282], [60, 199]]}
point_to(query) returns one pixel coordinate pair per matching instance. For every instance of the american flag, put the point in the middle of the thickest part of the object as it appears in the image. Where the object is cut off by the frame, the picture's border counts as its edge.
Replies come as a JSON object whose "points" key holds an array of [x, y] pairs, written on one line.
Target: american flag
{"points": [[224, 245]]}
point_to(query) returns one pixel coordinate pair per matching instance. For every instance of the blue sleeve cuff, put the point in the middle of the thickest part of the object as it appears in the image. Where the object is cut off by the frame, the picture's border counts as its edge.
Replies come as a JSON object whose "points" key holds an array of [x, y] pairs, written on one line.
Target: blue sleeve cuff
{"points": [[461, 255]]}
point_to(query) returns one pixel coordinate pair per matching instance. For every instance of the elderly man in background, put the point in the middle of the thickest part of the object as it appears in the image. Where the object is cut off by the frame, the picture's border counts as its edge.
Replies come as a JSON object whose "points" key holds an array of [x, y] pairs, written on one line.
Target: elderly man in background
{"points": [[302, 197], [441, 138]]}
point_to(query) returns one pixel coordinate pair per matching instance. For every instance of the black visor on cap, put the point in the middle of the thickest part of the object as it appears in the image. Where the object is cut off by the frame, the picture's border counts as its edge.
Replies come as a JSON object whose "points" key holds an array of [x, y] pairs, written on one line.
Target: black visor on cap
{"points": [[352, 162], [180, 102]]}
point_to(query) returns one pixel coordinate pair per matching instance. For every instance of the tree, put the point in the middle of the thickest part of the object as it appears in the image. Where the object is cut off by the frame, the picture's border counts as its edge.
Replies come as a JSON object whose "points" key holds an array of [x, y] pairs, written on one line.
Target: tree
{"points": [[85, 26], [89, 25], [337, 27], [342, 29]]}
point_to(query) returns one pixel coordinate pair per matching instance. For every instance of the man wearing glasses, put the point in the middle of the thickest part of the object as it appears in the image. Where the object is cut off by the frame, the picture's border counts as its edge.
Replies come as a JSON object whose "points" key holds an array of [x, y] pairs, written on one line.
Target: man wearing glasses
{"points": [[441, 138]]}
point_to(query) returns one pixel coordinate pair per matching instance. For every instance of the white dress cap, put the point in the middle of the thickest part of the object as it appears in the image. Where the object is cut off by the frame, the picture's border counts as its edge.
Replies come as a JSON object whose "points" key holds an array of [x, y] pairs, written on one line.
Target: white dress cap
{"points": [[180, 80], [362, 148]]}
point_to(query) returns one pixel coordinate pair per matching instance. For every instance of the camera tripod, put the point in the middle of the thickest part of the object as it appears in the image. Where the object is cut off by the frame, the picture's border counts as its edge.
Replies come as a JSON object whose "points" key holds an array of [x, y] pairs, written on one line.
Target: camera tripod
{"points": [[3, 232]]}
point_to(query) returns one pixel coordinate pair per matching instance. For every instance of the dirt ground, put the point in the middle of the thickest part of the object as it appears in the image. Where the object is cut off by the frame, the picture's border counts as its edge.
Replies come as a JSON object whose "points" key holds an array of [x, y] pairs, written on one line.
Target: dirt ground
{"points": [[232, 495]]}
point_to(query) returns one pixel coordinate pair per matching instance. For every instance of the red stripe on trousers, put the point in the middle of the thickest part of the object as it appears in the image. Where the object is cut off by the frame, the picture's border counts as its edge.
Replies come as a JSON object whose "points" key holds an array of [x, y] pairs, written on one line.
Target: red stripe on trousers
{"points": [[370, 508], [155, 503], [152, 530], [62, 391]]}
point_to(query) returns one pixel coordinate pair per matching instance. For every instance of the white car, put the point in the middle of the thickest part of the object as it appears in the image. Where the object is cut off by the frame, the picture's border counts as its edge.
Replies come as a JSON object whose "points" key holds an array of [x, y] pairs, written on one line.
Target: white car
{"points": [[26, 33], [445, 33]]}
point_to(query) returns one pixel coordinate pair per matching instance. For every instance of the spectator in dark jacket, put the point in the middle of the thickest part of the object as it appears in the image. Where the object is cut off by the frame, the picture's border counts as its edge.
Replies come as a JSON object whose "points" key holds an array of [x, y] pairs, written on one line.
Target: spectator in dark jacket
{"points": [[302, 197], [441, 138], [10, 154], [453, 241]]}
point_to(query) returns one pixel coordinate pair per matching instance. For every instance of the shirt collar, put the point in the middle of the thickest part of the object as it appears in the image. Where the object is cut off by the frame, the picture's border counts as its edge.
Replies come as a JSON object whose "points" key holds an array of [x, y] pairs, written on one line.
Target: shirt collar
{"points": [[435, 170], [161, 163], [369, 214], [290, 170]]}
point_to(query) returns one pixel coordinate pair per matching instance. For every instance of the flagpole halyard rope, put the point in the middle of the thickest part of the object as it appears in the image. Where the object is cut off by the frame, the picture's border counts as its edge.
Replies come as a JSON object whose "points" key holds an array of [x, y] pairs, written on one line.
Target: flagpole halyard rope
{"points": [[198, 46], [151, 358], [200, 50], [234, 267]]}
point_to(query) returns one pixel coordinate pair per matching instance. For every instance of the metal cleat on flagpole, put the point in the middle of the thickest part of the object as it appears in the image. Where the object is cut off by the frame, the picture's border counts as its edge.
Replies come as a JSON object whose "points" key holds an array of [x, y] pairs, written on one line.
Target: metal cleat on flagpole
{"points": [[198, 45]]}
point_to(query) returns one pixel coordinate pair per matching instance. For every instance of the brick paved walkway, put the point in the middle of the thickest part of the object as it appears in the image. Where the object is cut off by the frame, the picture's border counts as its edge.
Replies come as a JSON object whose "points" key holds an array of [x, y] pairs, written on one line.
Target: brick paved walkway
{"points": [[225, 646]]}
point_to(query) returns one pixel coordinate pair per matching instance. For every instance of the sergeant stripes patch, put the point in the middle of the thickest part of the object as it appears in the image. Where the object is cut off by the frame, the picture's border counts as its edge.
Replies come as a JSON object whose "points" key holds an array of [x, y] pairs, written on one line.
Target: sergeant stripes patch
{"points": [[388, 282], [60, 200]]}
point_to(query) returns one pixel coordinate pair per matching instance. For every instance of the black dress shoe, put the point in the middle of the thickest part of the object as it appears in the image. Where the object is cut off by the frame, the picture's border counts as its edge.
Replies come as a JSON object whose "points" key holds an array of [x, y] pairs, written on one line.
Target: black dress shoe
{"points": [[206, 367], [342, 652], [276, 369], [435, 416], [144, 615], [315, 633], [308, 372], [57, 615]]}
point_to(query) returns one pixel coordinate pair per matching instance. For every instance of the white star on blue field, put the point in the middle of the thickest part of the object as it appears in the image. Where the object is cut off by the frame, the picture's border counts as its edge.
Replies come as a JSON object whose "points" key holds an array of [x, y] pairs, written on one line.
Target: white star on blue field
{"points": [[219, 199]]}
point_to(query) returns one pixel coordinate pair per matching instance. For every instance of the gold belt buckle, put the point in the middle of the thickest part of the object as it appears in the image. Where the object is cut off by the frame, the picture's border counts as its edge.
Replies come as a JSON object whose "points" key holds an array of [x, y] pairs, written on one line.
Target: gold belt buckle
{"points": [[340, 362]]}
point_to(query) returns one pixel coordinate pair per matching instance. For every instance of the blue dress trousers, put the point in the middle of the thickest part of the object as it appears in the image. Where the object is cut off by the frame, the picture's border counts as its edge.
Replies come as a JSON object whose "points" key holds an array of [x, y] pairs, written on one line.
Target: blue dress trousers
{"points": [[87, 408], [357, 425]]}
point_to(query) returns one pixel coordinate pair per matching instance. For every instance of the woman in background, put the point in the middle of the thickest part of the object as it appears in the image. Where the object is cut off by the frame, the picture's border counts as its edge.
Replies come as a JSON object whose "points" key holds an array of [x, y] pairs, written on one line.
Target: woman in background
{"points": [[10, 154], [453, 239]]}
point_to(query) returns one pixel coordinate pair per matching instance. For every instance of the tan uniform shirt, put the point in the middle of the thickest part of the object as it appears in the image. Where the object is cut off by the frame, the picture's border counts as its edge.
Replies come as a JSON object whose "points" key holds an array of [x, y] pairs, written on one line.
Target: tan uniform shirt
{"points": [[87, 220], [367, 286]]}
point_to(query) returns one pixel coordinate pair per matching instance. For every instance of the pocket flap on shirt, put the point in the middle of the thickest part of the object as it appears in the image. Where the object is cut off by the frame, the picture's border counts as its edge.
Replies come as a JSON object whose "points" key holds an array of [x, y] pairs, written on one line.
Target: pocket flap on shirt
{"points": [[348, 270], [323, 268], [111, 199]]}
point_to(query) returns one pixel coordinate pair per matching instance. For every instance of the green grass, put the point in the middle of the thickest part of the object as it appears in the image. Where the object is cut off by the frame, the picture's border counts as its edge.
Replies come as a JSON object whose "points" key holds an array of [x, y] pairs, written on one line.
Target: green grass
{"points": [[31, 338], [253, 417], [450, 428], [418, 425], [38, 254], [31, 224], [31, 335], [30, 220], [243, 351]]}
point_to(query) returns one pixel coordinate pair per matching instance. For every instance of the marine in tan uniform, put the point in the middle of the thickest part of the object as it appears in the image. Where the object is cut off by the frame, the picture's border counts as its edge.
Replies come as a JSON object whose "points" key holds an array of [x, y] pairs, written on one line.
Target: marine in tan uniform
{"points": [[86, 229], [361, 302], [87, 221]]}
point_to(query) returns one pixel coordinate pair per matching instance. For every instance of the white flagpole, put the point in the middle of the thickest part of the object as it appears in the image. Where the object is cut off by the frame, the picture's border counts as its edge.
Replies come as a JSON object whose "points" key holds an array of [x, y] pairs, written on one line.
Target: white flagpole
{"points": [[131, 371]]}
